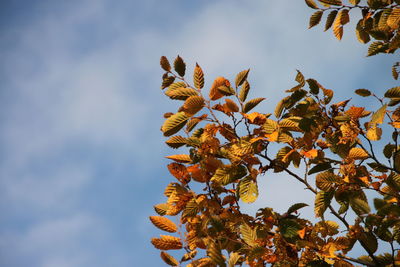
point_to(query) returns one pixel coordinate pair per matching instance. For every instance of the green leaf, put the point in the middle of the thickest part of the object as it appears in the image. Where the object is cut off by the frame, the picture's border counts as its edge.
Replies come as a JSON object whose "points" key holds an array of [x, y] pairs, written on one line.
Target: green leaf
{"points": [[322, 201], [228, 174], [165, 63], [289, 229], [241, 77], [176, 141], [191, 209], [173, 124], [326, 180], [379, 115], [180, 66], [249, 105], [248, 234], [315, 19], [363, 92], [248, 190], [330, 19], [320, 167], [296, 207], [359, 205], [180, 93]]}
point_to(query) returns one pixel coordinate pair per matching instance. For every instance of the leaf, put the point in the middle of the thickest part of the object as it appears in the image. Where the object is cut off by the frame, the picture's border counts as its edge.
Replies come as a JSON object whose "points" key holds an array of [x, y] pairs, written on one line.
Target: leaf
{"points": [[228, 174], [289, 229], [322, 201], [311, 4], [161, 209], [379, 115], [244, 90], [361, 32], [338, 29], [179, 171], [375, 48], [331, 2], [300, 78], [369, 240], [198, 77], [233, 259], [164, 224], [191, 209], [296, 207], [393, 20], [320, 167], [330, 19], [374, 133], [182, 158], [360, 206], [181, 93], [225, 90], [314, 86], [395, 71], [388, 150], [354, 2], [173, 124], [248, 190], [193, 105], [326, 180], [176, 141], [231, 105], [214, 252], [167, 242], [315, 19], [241, 77], [363, 92], [393, 92], [249, 105], [168, 259], [279, 108], [249, 235], [214, 92], [180, 66], [165, 63], [357, 153]]}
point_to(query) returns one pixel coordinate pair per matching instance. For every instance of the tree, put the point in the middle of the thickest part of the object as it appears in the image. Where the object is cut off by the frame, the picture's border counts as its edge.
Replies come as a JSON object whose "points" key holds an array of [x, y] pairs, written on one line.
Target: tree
{"points": [[328, 147]]}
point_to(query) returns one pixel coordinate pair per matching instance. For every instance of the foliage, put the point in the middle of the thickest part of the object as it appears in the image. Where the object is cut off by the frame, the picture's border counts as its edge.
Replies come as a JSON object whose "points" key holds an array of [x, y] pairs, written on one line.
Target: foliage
{"points": [[328, 147]]}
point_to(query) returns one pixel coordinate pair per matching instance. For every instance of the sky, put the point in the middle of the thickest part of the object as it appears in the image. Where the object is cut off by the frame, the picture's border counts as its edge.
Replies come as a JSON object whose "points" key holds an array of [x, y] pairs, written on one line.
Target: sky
{"points": [[82, 156]]}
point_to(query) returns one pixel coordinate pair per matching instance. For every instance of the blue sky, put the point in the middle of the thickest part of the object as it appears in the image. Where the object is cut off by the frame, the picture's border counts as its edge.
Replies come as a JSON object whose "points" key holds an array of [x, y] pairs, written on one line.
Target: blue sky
{"points": [[81, 163]]}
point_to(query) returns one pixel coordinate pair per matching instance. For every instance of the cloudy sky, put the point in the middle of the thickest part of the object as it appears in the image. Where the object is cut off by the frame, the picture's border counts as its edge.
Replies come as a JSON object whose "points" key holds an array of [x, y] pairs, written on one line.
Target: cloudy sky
{"points": [[81, 160]]}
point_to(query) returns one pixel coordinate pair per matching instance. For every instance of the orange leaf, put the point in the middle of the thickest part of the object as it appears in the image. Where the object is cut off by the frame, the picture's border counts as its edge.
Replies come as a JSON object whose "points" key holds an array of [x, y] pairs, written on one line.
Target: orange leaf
{"points": [[310, 153], [182, 158], [302, 233], [219, 81], [179, 171], [256, 118]]}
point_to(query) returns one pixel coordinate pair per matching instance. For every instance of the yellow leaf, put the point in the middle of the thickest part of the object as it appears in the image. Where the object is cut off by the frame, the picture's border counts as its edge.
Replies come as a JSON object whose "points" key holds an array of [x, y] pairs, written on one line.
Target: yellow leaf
{"points": [[182, 158], [357, 153], [374, 133], [193, 105], [255, 118]]}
